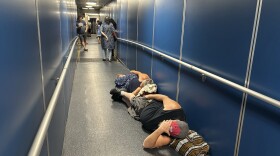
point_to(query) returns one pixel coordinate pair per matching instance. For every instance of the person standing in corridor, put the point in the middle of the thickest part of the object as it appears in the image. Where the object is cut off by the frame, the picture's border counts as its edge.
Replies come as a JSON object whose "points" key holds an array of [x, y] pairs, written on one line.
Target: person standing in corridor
{"points": [[81, 30], [108, 31]]}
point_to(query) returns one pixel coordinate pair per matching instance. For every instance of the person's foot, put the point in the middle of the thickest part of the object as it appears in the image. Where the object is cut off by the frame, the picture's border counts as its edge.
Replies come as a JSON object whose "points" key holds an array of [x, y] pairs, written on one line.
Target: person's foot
{"points": [[115, 91], [85, 49], [110, 60], [116, 97], [103, 59], [116, 94]]}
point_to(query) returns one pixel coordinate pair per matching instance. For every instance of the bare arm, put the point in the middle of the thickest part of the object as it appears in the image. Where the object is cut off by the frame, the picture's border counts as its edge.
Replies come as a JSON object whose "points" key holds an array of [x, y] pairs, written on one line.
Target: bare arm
{"points": [[115, 34], [156, 139], [136, 91], [86, 27], [135, 72], [142, 76], [104, 35], [101, 30], [168, 103], [158, 97]]}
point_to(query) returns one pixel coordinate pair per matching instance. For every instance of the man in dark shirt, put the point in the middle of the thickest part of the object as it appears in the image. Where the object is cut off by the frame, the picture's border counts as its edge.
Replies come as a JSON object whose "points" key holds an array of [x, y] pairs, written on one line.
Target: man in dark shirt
{"points": [[152, 109], [81, 30]]}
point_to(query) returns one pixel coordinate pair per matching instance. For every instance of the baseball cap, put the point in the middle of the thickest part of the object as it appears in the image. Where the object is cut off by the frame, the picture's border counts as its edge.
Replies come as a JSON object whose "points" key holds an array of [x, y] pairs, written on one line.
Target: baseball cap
{"points": [[178, 129]]}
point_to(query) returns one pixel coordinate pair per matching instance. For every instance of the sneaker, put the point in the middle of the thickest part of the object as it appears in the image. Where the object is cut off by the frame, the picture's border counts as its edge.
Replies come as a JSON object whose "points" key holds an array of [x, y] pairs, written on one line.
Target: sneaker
{"points": [[116, 97], [103, 59], [85, 49], [115, 91]]}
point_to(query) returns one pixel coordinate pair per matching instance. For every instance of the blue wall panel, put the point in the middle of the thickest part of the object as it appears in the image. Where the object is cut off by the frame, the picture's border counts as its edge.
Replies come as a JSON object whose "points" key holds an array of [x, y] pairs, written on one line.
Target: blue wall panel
{"points": [[217, 38], [131, 57], [225, 33], [145, 22], [211, 109], [167, 38], [69, 78], [168, 26], [22, 105], [57, 127], [65, 38], [122, 51], [260, 134], [51, 44], [145, 34], [144, 61], [132, 32], [53, 41], [214, 39], [123, 30], [68, 22], [21, 97], [165, 75], [132, 10]]}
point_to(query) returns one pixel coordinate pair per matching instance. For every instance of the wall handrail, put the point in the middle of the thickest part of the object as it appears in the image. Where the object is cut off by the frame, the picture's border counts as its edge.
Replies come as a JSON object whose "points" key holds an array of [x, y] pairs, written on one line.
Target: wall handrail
{"points": [[41, 133], [213, 76]]}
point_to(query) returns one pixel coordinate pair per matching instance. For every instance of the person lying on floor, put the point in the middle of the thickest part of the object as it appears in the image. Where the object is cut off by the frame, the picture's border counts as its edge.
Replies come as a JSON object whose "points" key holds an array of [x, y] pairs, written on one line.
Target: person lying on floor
{"points": [[177, 135], [151, 109], [166, 120], [131, 82]]}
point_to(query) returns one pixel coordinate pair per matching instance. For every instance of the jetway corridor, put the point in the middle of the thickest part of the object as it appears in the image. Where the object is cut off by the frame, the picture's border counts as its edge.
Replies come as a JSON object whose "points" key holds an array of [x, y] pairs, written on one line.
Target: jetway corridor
{"points": [[96, 124], [218, 59]]}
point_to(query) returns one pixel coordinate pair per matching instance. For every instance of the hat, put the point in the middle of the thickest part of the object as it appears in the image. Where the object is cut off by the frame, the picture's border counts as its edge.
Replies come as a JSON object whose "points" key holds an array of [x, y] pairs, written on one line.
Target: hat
{"points": [[178, 129]]}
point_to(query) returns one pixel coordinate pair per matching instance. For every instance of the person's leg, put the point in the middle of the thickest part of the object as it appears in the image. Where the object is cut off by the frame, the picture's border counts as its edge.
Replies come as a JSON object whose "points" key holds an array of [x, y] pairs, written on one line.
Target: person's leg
{"points": [[126, 101], [104, 54], [113, 53], [109, 53], [118, 93], [85, 37], [127, 95], [83, 42]]}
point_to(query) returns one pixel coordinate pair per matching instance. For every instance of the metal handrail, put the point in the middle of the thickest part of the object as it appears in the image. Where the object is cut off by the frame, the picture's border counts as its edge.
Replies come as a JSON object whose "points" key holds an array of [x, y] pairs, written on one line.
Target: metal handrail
{"points": [[41, 134], [218, 78]]}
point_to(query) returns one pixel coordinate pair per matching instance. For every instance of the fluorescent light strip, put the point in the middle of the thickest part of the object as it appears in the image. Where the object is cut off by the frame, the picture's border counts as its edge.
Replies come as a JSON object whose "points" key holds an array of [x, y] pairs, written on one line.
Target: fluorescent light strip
{"points": [[93, 14], [91, 3]]}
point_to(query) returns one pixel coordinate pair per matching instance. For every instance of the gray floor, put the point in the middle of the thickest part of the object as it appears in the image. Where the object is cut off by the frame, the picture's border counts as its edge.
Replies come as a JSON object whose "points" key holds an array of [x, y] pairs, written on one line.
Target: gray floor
{"points": [[96, 125]]}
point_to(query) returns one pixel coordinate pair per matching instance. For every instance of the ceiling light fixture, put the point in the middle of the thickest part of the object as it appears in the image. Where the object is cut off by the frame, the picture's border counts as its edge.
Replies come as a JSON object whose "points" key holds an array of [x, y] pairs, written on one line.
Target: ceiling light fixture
{"points": [[88, 6], [91, 3], [93, 14]]}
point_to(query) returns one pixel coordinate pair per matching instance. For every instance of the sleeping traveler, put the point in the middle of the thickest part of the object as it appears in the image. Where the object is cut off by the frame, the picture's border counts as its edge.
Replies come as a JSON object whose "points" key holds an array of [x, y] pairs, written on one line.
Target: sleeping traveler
{"points": [[130, 82], [177, 135], [151, 109]]}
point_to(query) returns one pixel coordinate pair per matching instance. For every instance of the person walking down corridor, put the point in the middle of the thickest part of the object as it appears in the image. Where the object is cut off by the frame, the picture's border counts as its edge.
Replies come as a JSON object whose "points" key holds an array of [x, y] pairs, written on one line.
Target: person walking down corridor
{"points": [[108, 30], [98, 30], [81, 30]]}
